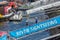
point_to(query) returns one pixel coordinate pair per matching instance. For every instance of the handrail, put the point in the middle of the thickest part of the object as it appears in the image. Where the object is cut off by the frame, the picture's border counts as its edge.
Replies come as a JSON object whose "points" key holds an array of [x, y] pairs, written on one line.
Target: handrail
{"points": [[51, 37], [43, 7]]}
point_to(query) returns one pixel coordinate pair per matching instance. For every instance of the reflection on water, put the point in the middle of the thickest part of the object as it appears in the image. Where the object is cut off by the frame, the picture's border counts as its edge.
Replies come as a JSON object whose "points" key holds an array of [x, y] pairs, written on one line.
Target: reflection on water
{"points": [[14, 25], [2, 24], [10, 25]]}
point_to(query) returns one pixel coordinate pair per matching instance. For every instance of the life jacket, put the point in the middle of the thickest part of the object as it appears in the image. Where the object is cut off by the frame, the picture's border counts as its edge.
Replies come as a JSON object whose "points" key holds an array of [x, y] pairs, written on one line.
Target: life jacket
{"points": [[6, 8]]}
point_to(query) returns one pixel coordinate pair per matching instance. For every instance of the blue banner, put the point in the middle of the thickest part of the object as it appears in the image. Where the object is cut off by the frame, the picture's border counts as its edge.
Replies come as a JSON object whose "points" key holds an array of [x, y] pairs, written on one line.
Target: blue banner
{"points": [[4, 37], [37, 27]]}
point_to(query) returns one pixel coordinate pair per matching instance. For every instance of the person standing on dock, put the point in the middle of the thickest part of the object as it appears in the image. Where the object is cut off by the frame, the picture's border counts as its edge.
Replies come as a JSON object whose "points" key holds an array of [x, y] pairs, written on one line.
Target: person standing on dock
{"points": [[26, 22], [36, 19]]}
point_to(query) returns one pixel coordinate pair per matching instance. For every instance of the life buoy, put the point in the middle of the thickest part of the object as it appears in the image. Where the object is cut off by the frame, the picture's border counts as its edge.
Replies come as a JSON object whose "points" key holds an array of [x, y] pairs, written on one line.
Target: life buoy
{"points": [[1, 16]]}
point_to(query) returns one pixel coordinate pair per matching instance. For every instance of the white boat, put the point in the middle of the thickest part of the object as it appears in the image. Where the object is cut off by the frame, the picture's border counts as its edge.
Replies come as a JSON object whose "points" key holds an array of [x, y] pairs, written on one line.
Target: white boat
{"points": [[16, 17]]}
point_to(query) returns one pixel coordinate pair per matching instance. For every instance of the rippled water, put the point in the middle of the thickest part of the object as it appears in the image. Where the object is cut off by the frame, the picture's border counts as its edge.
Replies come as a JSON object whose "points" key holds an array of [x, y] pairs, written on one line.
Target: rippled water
{"points": [[10, 26]]}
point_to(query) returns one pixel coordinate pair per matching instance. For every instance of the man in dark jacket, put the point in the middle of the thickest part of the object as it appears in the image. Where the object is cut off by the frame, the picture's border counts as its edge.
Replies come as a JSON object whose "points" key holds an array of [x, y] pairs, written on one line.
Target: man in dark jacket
{"points": [[31, 0]]}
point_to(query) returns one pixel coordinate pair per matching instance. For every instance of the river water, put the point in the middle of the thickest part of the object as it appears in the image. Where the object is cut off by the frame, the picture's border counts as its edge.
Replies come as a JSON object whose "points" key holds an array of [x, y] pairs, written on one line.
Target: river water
{"points": [[13, 25]]}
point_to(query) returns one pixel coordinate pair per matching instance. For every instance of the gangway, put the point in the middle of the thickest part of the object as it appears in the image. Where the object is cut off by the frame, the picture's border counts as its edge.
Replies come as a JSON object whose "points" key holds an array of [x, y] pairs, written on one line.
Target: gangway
{"points": [[42, 8], [42, 2]]}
